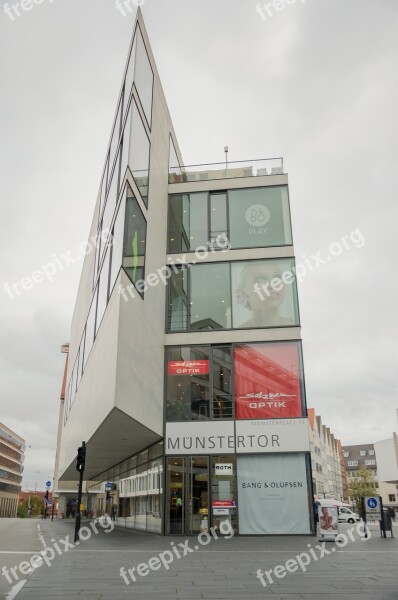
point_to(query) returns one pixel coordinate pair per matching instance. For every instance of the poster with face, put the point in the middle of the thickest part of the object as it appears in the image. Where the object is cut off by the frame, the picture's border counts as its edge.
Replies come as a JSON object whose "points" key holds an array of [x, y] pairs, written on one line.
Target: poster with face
{"points": [[328, 520], [264, 293], [268, 381]]}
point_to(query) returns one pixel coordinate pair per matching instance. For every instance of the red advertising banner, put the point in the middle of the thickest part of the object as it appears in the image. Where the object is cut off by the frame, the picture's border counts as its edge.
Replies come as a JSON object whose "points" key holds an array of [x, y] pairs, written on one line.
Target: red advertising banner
{"points": [[267, 381], [223, 503], [188, 367]]}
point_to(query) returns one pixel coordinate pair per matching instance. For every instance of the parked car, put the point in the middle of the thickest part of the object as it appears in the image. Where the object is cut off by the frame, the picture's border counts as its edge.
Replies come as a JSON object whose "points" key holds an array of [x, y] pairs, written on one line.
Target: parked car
{"points": [[347, 516]]}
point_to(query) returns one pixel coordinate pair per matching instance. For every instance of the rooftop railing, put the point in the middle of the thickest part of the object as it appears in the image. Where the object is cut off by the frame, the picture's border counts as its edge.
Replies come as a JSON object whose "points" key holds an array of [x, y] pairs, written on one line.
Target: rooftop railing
{"points": [[226, 170]]}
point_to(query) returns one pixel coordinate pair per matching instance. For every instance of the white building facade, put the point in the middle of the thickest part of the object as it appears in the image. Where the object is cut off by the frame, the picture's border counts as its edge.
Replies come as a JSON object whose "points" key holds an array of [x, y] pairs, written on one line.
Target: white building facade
{"points": [[185, 373]]}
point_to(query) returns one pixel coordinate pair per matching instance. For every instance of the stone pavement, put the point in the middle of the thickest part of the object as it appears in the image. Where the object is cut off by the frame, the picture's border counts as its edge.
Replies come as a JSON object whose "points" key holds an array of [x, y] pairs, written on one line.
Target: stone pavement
{"points": [[225, 569]]}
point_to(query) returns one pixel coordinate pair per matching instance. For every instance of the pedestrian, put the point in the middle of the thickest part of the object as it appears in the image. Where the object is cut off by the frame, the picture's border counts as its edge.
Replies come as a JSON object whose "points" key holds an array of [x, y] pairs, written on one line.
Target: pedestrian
{"points": [[316, 513]]}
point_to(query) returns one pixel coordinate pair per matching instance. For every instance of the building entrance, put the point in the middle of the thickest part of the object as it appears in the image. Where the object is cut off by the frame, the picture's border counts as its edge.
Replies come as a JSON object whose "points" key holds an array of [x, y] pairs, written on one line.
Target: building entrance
{"points": [[187, 496], [200, 493]]}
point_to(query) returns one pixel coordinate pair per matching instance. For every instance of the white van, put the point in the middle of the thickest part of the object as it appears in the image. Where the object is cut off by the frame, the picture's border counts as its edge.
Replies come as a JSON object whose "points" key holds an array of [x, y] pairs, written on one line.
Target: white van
{"points": [[346, 515]]}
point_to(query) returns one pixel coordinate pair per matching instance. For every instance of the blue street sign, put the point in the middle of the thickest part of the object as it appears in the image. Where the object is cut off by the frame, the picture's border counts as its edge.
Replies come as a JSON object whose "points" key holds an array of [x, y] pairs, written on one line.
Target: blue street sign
{"points": [[48, 484], [48, 502], [108, 486], [373, 503]]}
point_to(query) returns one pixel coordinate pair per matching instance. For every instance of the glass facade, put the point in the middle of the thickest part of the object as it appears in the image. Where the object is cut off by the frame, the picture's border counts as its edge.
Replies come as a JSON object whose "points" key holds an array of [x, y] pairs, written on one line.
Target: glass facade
{"points": [[248, 218], [139, 481], [250, 294], [245, 381]]}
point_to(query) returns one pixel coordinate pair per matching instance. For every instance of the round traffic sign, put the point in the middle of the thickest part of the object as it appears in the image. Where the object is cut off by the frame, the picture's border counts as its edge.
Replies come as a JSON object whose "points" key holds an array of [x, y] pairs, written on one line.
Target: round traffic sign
{"points": [[372, 503], [48, 484]]}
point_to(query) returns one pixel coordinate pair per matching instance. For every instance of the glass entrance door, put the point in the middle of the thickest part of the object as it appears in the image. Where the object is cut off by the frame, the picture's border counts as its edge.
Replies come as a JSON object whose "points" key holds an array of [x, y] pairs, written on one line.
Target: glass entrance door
{"points": [[176, 496], [187, 496], [199, 513]]}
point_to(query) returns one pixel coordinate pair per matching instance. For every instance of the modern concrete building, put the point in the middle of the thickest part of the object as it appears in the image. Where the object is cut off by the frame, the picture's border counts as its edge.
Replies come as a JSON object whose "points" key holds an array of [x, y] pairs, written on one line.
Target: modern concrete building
{"points": [[185, 373], [328, 469], [12, 454]]}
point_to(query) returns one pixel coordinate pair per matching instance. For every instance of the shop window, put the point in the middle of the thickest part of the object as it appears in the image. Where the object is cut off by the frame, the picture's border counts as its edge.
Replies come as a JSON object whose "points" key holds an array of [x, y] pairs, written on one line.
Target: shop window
{"points": [[269, 381], [188, 383], [279, 483]]}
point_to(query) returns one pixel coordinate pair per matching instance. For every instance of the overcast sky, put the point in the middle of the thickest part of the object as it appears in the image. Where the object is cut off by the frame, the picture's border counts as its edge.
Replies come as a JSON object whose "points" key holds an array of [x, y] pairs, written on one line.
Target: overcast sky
{"points": [[315, 83]]}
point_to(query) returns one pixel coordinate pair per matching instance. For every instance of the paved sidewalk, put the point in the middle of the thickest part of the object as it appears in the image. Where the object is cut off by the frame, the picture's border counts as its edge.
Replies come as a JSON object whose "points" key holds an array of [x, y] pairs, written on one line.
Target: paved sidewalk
{"points": [[225, 569]]}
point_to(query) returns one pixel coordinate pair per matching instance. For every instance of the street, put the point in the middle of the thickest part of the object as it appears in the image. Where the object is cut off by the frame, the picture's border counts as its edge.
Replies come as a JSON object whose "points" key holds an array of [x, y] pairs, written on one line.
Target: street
{"points": [[112, 564]]}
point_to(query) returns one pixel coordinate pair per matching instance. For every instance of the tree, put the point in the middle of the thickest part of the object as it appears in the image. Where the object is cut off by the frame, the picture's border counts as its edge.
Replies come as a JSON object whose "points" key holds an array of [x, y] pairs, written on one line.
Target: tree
{"points": [[362, 485], [36, 502]]}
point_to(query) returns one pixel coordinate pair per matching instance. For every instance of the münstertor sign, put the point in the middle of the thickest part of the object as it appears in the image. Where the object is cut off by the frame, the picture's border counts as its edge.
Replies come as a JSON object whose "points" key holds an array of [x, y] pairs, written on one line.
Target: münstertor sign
{"points": [[229, 437]]}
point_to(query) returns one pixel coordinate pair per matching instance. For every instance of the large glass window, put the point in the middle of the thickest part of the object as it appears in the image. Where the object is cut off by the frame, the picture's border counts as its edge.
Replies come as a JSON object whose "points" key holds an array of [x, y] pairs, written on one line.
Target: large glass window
{"points": [[188, 383], [248, 218], [259, 217], [269, 381], [178, 313], [199, 383], [139, 154], [134, 240], [264, 293], [188, 221], [143, 77], [210, 298]]}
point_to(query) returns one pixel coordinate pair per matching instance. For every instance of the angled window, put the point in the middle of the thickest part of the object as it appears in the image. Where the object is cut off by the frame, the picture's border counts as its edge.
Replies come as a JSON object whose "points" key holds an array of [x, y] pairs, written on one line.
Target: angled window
{"points": [[134, 241], [143, 77]]}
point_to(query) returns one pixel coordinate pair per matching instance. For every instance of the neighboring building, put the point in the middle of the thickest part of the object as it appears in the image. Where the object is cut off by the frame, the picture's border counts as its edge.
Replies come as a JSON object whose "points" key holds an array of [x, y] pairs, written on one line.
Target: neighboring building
{"points": [[185, 374], [12, 454], [381, 459], [359, 457], [387, 460], [328, 470]]}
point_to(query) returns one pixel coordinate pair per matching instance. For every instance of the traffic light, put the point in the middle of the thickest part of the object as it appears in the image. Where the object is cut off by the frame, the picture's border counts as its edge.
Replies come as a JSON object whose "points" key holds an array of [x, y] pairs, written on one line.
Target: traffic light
{"points": [[46, 495], [81, 458]]}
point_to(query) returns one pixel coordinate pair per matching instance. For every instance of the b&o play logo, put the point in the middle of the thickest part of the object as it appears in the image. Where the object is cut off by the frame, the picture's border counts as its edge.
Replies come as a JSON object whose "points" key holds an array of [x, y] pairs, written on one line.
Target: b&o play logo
{"points": [[257, 215]]}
